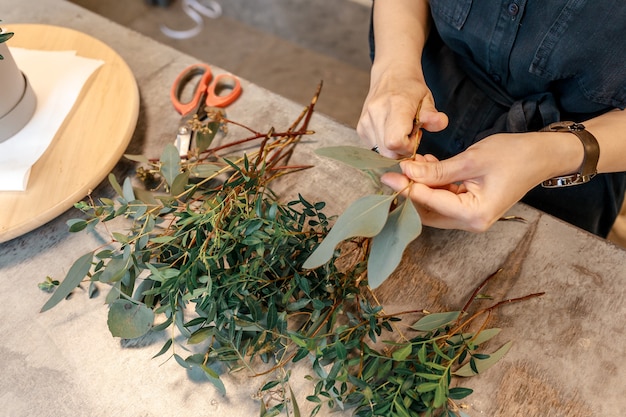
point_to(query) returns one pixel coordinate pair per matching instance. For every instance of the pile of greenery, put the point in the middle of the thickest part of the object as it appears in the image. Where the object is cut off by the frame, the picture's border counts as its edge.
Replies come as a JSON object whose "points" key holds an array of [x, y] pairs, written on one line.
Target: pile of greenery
{"points": [[212, 254]]}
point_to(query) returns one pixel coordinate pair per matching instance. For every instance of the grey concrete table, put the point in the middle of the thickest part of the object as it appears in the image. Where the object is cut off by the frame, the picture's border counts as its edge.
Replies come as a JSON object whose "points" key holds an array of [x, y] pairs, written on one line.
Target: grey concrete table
{"points": [[568, 348]]}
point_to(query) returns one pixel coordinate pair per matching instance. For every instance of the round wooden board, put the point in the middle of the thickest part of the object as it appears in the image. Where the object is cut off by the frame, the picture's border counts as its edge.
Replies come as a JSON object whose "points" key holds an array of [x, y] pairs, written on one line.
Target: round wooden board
{"points": [[89, 143]]}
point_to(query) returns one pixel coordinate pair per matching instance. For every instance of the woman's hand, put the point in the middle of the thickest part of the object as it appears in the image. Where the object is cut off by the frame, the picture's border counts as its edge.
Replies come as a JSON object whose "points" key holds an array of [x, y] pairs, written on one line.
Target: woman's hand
{"points": [[473, 189], [390, 109]]}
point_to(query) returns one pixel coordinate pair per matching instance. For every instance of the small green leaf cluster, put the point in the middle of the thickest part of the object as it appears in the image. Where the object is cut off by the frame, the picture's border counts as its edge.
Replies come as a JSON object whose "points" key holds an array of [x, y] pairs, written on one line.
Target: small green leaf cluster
{"points": [[218, 265], [414, 379]]}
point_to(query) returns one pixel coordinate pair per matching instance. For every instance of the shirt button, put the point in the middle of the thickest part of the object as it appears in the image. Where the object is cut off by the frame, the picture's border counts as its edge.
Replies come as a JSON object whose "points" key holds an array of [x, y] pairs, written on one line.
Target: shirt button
{"points": [[496, 78], [513, 9]]}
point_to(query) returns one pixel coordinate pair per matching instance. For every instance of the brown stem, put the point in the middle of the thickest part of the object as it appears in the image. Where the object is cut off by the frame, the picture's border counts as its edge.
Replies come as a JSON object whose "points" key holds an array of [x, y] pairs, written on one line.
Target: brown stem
{"points": [[477, 290]]}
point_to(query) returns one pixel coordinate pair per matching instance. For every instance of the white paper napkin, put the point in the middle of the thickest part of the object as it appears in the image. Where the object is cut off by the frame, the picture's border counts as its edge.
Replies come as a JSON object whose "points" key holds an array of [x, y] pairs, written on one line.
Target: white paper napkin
{"points": [[57, 78]]}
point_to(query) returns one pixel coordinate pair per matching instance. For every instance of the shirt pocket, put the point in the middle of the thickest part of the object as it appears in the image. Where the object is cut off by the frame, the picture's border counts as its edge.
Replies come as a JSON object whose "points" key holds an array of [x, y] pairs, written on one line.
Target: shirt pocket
{"points": [[574, 49], [454, 13]]}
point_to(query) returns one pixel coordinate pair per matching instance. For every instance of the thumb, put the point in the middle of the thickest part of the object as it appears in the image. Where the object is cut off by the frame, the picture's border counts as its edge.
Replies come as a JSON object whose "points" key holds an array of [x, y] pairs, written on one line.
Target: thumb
{"points": [[433, 172], [432, 119]]}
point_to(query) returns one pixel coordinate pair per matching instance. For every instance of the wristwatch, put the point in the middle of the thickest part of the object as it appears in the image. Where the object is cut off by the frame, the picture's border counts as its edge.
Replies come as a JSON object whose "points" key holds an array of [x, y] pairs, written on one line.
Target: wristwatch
{"points": [[588, 169]]}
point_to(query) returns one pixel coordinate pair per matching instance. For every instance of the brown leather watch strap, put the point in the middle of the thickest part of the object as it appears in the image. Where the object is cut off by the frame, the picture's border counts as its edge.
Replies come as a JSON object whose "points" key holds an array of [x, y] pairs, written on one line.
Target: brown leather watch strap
{"points": [[588, 169]]}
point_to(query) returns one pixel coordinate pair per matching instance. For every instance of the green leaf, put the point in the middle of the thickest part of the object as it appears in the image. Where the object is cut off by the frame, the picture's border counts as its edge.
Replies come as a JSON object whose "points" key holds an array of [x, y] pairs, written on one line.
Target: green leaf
{"points": [[434, 321], [74, 276], [427, 387], [180, 183], [182, 362], [137, 158], [483, 364], [294, 404], [115, 270], [200, 335], [440, 395], [129, 320], [204, 170], [356, 157], [485, 335], [297, 340], [403, 353], [76, 225], [162, 239], [402, 227], [116, 185], [214, 378], [365, 217], [341, 351], [127, 190], [269, 385], [458, 393], [170, 163], [165, 348], [429, 377]]}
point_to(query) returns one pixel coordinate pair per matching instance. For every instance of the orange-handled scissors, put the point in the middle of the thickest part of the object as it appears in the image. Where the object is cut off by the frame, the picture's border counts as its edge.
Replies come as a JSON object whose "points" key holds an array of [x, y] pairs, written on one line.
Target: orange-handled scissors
{"points": [[219, 92], [208, 92]]}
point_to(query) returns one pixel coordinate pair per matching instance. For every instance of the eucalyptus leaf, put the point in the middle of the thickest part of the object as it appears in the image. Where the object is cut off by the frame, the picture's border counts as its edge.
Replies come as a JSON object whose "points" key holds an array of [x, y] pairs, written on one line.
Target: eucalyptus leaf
{"points": [[403, 226], [129, 320], [214, 378], [115, 269], [477, 339], [365, 217], [485, 335], [170, 163], [76, 225], [294, 404], [483, 364], [180, 183], [427, 387], [204, 170], [116, 185], [127, 190], [137, 158], [434, 321], [74, 276], [356, 157], [458, 393], [403, 353]]}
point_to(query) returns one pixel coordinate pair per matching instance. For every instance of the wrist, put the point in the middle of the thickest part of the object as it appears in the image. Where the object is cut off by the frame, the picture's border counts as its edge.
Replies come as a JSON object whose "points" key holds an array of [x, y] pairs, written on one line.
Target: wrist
{"points": [[550, 154]]}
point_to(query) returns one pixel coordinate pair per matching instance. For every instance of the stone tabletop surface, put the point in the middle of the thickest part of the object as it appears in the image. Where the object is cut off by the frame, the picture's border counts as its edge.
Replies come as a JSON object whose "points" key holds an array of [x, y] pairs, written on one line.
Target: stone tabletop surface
{"points": [[567, 357]]}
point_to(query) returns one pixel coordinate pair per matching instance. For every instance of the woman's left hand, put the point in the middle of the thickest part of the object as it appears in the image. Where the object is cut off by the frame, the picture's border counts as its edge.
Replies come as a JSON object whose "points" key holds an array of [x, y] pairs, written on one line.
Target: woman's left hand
{"points": [[473, 189]]}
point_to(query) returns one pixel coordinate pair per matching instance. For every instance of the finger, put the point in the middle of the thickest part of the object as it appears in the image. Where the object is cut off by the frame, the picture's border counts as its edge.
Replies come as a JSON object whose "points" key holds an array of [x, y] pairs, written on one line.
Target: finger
{"points": [[397, 133], [443, 208], [433, 172]]}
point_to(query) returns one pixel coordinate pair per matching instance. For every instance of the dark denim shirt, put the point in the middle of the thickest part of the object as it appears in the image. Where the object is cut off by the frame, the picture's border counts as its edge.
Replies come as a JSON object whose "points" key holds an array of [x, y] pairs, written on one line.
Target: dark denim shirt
{"points": [[519, 65], [574, 50]]}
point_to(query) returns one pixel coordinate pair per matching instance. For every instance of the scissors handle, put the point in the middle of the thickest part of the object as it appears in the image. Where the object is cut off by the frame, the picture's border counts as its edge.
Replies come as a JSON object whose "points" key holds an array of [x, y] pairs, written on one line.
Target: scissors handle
{"points": [[216, 92], [183, 79]]}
